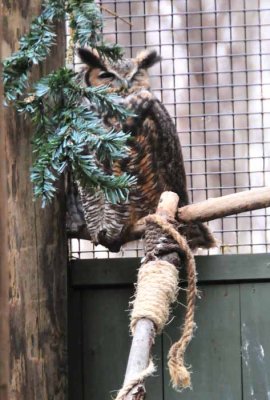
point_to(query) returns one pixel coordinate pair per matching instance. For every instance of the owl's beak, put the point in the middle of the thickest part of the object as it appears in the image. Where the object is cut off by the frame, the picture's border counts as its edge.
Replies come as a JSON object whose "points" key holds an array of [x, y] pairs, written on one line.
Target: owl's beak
{"points": [[125, 84]]}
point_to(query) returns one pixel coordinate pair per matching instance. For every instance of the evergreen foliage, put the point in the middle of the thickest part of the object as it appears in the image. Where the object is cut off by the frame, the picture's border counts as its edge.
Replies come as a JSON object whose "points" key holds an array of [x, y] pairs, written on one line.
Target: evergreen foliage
{"points": [[68, 133]]}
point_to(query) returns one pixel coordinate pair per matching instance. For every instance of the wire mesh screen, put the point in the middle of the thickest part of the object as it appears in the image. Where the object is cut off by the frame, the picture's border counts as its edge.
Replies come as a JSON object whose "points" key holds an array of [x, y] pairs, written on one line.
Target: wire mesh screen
{"points": [[215, 82]]}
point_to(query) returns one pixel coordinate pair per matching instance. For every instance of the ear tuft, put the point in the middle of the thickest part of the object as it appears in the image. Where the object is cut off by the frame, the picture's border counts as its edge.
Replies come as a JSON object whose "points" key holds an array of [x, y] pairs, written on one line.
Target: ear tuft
{"points": [[90, 59], [147, 59]]}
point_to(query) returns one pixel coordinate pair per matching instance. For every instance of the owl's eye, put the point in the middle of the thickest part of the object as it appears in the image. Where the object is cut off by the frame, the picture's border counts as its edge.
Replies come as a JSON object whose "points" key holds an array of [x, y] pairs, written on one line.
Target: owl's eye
{"points": [[138, 74], [106, 75]]}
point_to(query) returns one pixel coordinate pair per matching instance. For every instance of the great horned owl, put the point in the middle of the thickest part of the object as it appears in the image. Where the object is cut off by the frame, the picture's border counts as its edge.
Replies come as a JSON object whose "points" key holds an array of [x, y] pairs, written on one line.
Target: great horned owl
{"points": [[154, 158]]}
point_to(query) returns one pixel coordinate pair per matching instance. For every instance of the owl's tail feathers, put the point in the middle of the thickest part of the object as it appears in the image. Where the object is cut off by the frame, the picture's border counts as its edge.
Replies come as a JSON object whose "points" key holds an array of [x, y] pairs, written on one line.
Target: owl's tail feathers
{"points": [[198, 235]]}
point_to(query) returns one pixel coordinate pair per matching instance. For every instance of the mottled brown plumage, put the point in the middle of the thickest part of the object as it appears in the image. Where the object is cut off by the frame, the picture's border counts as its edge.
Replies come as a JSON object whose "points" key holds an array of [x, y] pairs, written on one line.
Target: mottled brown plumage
{"points": [[155, 155]]}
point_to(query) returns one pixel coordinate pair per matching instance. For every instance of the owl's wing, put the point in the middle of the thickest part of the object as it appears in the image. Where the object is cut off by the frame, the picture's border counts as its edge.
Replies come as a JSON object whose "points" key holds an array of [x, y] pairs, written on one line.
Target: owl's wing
{"points": [[158, 164], [169, 156], [159, 153]]}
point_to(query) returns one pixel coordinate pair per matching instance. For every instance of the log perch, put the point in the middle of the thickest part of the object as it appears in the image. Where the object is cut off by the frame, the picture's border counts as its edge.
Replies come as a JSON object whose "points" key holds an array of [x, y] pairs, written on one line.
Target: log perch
{"points": [[203, 211], [220, 207], [140, 351], [215, 208], [145, 332]]}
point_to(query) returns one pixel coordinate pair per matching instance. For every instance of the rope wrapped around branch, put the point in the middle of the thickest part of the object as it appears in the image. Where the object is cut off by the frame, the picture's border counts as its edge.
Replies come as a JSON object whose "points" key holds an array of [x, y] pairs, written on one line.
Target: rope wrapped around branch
{"points": [[180, 376], [157, 289]]}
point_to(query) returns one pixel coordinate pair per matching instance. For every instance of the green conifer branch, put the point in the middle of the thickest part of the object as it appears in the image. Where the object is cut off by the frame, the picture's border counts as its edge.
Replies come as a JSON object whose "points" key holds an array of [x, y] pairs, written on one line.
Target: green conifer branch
{"points": [[34, 48], [68, 133], [86, 18]]}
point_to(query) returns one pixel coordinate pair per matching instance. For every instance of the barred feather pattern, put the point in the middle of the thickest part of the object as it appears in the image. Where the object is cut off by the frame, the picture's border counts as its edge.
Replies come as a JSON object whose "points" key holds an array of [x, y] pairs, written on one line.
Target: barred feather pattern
{"points": [[93, 207], [154, 158]]}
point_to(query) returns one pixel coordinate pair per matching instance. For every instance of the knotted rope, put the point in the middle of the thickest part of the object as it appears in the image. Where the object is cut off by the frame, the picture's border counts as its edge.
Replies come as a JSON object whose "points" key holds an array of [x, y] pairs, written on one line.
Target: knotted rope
{"points": [[156, 290], [180, 376]]}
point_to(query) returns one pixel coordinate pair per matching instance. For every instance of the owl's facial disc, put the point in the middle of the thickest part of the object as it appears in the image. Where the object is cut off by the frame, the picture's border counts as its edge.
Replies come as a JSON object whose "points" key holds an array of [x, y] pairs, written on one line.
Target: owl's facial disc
{"points": [[125, 76]]}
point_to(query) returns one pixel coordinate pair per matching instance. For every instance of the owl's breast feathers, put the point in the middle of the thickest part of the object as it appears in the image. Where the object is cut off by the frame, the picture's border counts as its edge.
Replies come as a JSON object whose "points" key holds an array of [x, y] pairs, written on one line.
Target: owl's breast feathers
{"points": [[155, 159]]}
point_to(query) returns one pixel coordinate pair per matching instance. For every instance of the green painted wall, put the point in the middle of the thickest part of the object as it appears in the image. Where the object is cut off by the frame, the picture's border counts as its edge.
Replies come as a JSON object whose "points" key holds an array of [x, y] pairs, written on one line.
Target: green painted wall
{"points": [[230, 353]]}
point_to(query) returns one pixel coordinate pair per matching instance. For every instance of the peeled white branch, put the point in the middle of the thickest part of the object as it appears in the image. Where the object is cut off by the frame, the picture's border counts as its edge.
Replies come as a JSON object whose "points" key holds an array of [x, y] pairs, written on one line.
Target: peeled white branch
{"points": [[226, 205], [204, 211], [215, 208]]}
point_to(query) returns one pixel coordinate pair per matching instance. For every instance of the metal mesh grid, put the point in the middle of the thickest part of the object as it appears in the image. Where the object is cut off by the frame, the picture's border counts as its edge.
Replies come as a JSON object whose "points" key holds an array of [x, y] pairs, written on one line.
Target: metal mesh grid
{"points": [[215, 82]]}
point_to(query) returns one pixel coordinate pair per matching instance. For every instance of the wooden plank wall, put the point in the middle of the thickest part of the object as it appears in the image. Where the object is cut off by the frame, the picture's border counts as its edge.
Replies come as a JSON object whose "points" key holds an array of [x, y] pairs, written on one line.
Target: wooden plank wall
{"points": [[33, 249], [230, 351]]}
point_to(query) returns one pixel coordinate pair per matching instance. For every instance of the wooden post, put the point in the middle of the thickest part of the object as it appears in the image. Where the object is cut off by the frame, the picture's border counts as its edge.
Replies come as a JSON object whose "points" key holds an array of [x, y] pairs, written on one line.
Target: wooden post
{"points": [[4, 279], [33, 249]]}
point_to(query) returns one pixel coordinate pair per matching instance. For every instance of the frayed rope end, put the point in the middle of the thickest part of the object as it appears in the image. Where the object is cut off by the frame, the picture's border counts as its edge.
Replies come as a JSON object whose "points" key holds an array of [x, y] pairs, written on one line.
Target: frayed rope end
{"points": [[180, 376]]}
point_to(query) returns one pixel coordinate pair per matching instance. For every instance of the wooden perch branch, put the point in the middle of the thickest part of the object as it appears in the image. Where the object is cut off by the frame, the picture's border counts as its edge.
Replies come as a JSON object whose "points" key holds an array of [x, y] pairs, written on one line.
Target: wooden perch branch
{"points": [[139, 356], [226, 205], [217, 208], [145, 332], [204, 211]]}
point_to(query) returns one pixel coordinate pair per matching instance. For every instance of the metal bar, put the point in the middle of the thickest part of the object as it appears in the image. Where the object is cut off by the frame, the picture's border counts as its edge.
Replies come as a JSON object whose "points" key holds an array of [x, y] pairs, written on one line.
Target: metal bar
{"points": [[186, 12], [181, 29], [224, 130]]}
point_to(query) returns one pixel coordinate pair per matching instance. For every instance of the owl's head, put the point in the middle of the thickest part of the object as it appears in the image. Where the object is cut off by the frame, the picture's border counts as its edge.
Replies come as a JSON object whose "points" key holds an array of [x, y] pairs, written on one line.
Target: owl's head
{"points": [[126, 75]]}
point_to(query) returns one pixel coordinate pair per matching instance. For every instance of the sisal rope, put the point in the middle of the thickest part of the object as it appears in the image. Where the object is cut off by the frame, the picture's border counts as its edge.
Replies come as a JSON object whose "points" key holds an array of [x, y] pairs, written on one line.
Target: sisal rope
{"points": [[157, 288], [180, 376]]}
